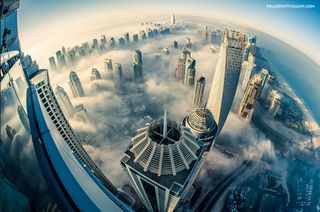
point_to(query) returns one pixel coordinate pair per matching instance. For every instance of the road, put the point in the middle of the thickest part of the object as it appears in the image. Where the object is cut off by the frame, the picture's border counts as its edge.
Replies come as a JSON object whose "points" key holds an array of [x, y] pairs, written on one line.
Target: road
{"points": [[214, 194]]}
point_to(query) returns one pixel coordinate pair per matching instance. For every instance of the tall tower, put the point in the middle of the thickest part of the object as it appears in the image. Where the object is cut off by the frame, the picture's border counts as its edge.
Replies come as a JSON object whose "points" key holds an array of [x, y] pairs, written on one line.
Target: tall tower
{"points": [[61, 59], [181, 65], [226, 76], [52, 63], [95, 74], [126, 37], [246, 71], [162, 162], [108, 65], [273, 103], [173, 20], [75, 85], [118, 73], [190, 71], [137, 66], [250, 98], [64, 101], [198, 92]]}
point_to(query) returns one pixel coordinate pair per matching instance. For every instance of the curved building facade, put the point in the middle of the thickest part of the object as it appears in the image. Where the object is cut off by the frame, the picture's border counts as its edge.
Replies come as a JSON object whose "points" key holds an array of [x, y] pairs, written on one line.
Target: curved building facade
{"points": [[226, 76]]}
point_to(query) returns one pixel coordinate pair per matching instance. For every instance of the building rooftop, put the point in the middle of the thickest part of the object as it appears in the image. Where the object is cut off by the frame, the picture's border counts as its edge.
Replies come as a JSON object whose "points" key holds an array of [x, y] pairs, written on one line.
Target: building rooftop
{"points": [[202, 124], [165, 152]]}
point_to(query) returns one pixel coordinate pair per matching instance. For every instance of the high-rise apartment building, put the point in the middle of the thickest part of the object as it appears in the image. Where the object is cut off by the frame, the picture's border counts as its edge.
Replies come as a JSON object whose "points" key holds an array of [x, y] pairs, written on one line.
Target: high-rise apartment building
{"points": [[118, 73], [173, 20], [75, 85], [126, 37], [112, 42], [198, 92], [247, 69], [61, 59], [190, 71], [181, 65], [137, 66], [64, 101], [252, 94], [135, 38], [142, 35], [273, 102], [226, 76], [108, 65], [95, 74], [80, 113], [122, 42], [52, 63]]}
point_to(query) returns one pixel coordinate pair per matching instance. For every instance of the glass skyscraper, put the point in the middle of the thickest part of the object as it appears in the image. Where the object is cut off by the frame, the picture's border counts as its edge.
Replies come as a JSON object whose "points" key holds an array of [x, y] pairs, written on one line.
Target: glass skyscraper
{"points": [[226, 76], [75, 85]]}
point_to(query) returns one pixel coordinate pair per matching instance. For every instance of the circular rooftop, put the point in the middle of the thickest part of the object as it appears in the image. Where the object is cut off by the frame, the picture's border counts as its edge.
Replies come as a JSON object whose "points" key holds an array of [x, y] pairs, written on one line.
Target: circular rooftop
{"points": [[201, 123], [164, 151]]}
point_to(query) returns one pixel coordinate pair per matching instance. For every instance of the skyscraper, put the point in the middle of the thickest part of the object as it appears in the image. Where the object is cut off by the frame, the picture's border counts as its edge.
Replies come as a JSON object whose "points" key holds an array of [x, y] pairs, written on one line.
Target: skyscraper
{"points": [[250, 98], [137, 66], [135, 38], [103, 41], [112, 42], [122, 41], [175, 44], [143, 35], [30, 65], [64, 101], [273, 103], [80, 113], [226, 76], [95, 74], [75, 85], [108, 65], [198, 92], [95, 45], [61, 59], [181, 65], [126, 37], [173, 20], [188, 43], [118, 73], [264, 74], [162, 162], [52, 63], [150, 33], [246, 71], [71, 55], [190, 71]]}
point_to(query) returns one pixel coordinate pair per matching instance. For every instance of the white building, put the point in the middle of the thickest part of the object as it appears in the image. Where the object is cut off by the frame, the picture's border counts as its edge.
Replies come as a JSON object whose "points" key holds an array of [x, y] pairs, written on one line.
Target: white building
{"points": [[75, 85], [64, 101], [226, 77]]}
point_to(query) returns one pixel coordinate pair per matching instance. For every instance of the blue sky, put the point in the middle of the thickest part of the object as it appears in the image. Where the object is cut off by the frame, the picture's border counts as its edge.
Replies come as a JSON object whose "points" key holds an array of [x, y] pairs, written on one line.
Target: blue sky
{"points": [[298, 27]]}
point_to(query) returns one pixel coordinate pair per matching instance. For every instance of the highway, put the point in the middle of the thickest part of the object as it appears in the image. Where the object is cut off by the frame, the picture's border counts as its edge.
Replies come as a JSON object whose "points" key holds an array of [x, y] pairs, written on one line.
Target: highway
{"points": [[213, 195]]}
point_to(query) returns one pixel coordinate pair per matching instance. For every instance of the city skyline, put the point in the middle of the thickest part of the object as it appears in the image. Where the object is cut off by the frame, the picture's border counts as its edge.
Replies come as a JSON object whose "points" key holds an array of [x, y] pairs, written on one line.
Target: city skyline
{"points": [[283, 17], [195, 124]]}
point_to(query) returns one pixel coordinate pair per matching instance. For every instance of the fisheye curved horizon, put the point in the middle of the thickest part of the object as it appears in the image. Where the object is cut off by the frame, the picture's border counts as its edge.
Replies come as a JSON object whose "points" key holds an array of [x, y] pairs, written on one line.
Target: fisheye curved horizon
{"points": [[159, 106]]}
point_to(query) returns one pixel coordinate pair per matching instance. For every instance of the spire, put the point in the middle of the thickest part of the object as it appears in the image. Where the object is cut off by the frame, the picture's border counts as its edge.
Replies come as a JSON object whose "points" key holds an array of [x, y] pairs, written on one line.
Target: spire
{"points": [[165, 123]]}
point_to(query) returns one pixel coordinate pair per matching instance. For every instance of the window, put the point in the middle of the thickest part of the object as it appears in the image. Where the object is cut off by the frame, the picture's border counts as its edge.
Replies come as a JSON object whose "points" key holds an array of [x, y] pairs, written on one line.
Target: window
{"points": [[151, 193]]}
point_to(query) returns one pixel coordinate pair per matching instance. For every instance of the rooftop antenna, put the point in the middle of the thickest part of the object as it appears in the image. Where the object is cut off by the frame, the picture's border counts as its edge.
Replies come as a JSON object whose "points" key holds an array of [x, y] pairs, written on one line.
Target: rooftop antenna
{"points": [[165, 123]]}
